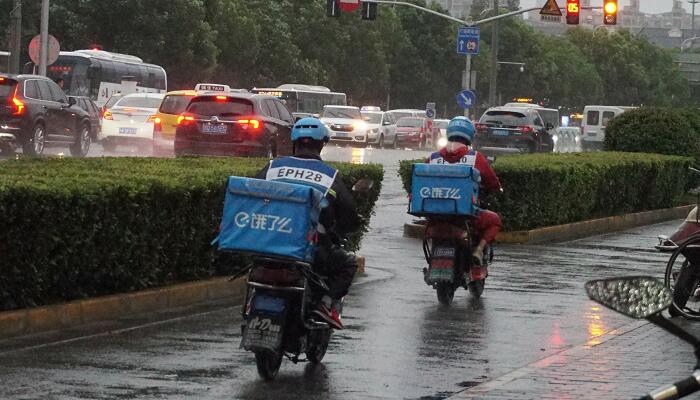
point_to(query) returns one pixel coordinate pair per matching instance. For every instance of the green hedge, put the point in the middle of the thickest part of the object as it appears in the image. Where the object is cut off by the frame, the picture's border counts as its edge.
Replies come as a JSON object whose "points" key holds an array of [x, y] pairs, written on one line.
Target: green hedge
{"points": [[655, 130], [75, 228], [551, 189]]}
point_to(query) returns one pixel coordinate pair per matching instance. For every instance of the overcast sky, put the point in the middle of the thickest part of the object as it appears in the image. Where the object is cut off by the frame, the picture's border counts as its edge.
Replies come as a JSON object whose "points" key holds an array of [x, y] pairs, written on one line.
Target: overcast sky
{"points": [[648, 6]]}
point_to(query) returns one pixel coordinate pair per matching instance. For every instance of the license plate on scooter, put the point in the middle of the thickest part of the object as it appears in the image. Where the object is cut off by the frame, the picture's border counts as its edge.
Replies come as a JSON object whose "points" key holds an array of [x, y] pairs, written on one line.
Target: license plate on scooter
{"points": [[441, 270], [263, 327]]}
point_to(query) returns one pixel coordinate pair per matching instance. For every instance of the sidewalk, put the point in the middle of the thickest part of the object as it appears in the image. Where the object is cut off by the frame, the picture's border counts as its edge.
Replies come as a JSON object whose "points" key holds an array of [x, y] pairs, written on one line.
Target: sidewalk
{"points": [[622, 364]]}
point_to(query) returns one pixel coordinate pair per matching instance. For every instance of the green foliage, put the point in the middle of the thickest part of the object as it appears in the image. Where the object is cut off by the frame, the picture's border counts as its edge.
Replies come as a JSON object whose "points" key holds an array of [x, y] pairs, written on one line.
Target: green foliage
{"points": [[551, 189], [75, 228], [663, 131]]}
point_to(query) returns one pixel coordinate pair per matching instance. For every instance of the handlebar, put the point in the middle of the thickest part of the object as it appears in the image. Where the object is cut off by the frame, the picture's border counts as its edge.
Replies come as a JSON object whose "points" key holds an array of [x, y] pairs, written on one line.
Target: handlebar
{"points": [[678, 390]]}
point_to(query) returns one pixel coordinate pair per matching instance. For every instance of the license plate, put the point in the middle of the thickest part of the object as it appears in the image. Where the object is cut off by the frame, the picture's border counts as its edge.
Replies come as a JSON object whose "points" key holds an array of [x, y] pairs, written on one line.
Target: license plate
{"points": [[263, 331], [269, 303], [592, 134], [499, 132], [214, 129], [127, 131]]}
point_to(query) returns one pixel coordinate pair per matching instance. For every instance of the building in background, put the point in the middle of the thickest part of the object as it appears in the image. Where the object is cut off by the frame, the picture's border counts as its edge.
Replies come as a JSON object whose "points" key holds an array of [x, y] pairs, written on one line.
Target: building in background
{"points": [[456, 8]]}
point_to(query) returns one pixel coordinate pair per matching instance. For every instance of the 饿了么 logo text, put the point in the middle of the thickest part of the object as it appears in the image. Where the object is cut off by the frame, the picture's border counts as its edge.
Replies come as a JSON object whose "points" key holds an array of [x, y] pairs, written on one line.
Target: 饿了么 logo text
{"points": [[263, 222], [440, 193]]}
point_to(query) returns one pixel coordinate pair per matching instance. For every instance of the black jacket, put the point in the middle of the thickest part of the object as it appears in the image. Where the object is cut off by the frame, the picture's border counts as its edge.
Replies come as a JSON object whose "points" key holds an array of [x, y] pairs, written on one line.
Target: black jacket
{"points": [[340, 217]]}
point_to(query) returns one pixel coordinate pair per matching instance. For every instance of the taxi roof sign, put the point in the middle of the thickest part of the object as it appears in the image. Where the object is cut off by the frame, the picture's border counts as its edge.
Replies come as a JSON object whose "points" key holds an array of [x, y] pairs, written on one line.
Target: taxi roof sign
{"points": [[212, 87], [551, 8]]}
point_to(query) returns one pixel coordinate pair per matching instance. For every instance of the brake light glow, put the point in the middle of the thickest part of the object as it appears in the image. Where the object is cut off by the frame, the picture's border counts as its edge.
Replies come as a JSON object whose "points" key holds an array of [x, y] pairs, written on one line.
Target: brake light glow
{"points": [[17, 104], [221, 98], [480, 127], [153, 119], [252, 123], [184, 119], [107, 115], [525, 129]]}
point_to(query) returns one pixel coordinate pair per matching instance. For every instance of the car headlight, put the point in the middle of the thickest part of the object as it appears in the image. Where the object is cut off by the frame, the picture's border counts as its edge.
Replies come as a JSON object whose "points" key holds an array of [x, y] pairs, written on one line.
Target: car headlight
{"points": [[555, 138], [442, 142], [373, 131], [358, 126]]}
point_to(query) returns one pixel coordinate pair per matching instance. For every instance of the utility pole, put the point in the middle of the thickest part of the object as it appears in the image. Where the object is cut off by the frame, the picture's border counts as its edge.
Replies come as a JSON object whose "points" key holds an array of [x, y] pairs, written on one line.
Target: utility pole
{"points": [[44, 55], [692, 18], [493, 83], [467, 80], [16, 43]]}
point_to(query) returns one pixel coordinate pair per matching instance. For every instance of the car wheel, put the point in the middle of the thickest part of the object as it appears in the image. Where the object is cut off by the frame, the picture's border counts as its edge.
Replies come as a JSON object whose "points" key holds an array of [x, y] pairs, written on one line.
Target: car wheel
{"points": [[36, 143], [82, 146]]}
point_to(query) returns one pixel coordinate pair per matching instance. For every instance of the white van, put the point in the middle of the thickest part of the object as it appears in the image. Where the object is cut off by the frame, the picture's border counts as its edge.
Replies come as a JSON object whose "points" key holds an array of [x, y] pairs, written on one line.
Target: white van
{"points": [[595, 119]]}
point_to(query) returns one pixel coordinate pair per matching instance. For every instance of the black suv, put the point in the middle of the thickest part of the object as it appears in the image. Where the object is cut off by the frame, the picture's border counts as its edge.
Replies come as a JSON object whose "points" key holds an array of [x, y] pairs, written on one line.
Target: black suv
{"points": [[34, 113], [234, 124], [513, 129]]}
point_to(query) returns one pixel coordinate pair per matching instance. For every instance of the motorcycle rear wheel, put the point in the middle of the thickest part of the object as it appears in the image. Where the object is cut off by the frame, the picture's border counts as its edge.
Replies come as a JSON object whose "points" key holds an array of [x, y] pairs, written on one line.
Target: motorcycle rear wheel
{"points": [[476, 288], [268, 364], [683, 282], [318, 346], [445, 293]]}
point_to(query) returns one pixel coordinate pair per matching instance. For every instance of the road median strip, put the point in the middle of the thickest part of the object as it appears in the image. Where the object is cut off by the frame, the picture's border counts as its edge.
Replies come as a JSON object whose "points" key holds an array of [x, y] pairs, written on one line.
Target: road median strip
{"points": [[576, 230]]}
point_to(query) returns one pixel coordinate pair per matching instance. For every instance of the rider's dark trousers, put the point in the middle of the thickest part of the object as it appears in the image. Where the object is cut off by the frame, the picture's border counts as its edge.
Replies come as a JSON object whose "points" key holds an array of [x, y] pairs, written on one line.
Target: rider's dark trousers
{"points": [[337, 265]]}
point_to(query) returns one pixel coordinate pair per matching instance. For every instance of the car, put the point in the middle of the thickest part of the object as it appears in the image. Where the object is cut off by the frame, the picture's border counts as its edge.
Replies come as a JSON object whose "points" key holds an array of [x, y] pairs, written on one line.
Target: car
{"points": [[381, 128], [513, 130], [165, 122], [595, 120], [37, 114], [440, 133], [110, 102], [406, 112], [88, 105], [412, 132], [130, 121], [346, 125], [234, 124]]}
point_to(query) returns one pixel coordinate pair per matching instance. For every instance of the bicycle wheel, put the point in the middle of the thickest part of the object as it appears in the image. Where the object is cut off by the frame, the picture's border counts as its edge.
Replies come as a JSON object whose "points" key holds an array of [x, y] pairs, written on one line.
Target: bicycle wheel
{"points": [[683, 277]]}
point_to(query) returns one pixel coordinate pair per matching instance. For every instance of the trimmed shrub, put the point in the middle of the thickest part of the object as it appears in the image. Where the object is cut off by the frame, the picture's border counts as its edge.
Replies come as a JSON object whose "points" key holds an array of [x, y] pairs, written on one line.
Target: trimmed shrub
{"points": [[551, 189], [75, 228], [655, 130]]}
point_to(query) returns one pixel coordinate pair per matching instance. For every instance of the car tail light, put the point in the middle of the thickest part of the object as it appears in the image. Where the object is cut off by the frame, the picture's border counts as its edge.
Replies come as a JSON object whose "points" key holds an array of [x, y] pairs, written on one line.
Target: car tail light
{"points": [[185, 120], [156, 123], [153, 119], [480, 127], [525, 129], [17, 105], [221, 98], [249, 123], [107, 115]]}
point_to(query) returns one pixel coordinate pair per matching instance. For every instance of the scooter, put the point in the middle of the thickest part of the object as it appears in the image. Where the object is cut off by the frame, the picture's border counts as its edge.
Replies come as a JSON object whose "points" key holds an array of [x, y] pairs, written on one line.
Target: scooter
{"points": [[644, 297], [682, 274]]}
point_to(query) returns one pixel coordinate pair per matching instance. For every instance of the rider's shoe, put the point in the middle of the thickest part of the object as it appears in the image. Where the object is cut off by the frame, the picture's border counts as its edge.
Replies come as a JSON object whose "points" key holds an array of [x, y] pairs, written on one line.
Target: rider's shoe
{"points": [[329, 315], [478, 257]]}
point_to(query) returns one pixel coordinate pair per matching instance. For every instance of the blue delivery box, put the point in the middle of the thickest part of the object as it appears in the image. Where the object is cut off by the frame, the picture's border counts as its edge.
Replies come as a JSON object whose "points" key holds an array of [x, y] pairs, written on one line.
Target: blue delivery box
{"points": [[444, 189], [270, 218]]}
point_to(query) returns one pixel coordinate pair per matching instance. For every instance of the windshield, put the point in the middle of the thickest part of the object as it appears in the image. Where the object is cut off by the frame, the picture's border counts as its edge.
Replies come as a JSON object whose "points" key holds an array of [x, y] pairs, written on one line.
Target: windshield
{"points": [[74, 72], [207, 106], [410, 123], [513, 118], [333, 112], [139, 102], [372, 117]]}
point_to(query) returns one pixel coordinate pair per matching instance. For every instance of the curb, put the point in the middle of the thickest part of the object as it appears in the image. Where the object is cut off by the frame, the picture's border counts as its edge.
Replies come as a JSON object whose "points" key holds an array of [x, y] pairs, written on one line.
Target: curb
{"points": [[80, 312], [575, 230]]}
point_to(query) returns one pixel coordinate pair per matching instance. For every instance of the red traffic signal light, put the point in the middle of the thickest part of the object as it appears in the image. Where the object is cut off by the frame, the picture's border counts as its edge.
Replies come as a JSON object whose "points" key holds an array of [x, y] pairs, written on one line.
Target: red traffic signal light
{"points": [[573, 7], [610, 12]]}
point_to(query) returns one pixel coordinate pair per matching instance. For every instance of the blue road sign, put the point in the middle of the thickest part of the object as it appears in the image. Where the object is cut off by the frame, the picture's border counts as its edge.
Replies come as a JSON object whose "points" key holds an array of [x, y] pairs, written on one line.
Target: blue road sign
{"points": [[468, 40], [466, 99]]}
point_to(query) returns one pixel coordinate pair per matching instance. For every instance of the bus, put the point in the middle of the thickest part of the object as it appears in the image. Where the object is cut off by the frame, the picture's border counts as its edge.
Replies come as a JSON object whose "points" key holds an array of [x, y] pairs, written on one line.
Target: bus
{"points": [[99, 74], [305, 100]]}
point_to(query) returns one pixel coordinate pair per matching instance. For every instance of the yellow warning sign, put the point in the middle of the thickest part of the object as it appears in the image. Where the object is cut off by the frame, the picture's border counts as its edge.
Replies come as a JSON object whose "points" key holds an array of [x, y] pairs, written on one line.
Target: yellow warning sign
{"points": [[551, 8]]}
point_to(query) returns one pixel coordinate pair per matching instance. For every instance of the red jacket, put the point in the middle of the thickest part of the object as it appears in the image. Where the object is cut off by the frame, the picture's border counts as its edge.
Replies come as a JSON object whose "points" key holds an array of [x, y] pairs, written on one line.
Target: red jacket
{"points": [[453, 153]]}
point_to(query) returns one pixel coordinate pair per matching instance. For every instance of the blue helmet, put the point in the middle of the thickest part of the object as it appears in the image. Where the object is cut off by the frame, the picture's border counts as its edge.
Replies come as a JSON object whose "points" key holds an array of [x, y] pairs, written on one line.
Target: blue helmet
{"points": [[461, 127], [311, 128]]}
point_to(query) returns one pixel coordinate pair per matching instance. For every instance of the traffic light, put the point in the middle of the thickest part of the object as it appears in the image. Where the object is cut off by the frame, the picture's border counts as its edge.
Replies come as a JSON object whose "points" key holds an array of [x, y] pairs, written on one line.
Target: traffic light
{"points": [[332, 8], [572, 11], [610, 12], [369, 11]]}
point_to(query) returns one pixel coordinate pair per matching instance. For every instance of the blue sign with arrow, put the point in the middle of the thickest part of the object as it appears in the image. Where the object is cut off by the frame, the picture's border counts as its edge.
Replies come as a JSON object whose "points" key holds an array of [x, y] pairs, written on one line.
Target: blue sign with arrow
{"points": [[466, 99], [468, 40]]}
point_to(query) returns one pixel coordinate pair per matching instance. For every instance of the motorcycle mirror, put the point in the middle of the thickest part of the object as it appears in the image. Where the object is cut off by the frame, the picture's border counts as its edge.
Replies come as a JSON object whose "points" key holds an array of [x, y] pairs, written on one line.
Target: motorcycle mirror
{"points": [[363, 185], [637, 296]]}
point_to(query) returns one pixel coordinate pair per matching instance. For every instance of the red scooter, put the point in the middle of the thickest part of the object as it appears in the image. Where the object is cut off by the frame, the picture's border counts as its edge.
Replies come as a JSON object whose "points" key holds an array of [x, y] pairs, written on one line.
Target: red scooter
{"points": [[683, 269]]}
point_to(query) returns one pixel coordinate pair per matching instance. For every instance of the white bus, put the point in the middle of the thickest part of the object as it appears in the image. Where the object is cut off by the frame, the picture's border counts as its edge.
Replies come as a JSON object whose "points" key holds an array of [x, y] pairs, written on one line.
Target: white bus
{"points": [[304, 100], [99, 74]]}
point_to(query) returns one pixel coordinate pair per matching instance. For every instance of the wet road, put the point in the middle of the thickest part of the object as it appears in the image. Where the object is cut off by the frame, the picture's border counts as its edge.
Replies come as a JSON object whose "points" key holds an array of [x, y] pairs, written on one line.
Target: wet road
{"points": [[398, 342]]}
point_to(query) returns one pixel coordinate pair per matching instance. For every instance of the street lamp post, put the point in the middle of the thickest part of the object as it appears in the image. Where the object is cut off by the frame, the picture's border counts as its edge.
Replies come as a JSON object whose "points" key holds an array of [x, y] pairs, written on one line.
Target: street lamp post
{"points": [[692, 18], [44, 55], [494, 58]]}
